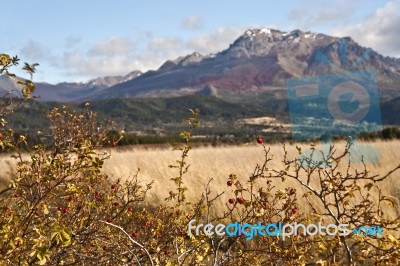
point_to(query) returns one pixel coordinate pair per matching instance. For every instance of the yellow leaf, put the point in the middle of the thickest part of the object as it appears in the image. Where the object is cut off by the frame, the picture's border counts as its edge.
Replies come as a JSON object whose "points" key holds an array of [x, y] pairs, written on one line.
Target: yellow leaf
{"points": [[42, 254], [199, 258], [45, 209], [66, 238], [392, 239], [72, 188]]}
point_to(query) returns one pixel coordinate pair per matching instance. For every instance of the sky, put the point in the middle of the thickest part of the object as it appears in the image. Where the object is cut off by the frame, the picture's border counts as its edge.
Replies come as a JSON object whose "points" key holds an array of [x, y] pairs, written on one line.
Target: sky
{"points": [[75, 40]]}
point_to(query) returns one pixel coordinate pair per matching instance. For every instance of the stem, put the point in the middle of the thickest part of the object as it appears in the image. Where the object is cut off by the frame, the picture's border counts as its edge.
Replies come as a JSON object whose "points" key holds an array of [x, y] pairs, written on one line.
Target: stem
{"points": [[131, 239]]}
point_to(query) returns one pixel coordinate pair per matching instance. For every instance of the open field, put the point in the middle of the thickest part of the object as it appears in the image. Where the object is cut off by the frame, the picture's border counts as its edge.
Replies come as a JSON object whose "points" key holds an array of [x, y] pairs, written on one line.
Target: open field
{"points": [[218, 163]]}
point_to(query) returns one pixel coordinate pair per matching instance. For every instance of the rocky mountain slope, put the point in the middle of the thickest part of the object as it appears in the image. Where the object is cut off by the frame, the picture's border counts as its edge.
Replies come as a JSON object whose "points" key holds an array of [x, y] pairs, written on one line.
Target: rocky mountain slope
{"points": [[258, 61]]}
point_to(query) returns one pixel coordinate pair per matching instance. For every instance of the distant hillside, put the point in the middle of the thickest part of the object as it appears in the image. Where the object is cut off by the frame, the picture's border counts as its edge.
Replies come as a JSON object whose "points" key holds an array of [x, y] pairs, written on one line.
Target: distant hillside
{"points": [[161, 116], [67, 91], [391, 112]]}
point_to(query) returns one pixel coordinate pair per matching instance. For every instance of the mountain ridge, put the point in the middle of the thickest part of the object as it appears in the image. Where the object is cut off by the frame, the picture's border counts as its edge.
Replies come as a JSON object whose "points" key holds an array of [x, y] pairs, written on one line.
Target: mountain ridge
{"points": [[258, 61], [66, 91]]}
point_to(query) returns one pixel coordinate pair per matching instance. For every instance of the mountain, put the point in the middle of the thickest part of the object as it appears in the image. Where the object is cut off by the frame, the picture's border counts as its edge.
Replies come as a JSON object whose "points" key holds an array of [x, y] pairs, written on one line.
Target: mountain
{"points": [[257, 63], [260, 60], [67, 91], [390, 112]]}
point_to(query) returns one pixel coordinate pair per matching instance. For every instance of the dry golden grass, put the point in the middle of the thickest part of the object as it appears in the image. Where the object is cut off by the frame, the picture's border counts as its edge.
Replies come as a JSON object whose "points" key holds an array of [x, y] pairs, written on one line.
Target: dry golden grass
{"points": [[7, 169], [218, 163]]}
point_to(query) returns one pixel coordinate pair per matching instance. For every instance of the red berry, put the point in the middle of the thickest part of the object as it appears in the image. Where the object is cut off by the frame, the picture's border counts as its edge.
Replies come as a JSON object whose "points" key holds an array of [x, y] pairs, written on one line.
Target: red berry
{"points": [[16, 196], [134, 234], [231, 201], [109, 220], [130, 209], [113, 144], [259, 140], [104, 248], [1, 136], [229, 183], [182, 233], [113, 186], [240, 200], [96, 194], [116, 204], [70, 198], [65, 210], [294, 211], [59, 208], [144, 225]]}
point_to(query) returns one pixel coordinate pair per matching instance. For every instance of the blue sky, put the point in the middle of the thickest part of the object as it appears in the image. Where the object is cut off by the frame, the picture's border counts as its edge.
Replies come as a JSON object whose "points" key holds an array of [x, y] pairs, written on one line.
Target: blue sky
{"points": [[79, 40]]}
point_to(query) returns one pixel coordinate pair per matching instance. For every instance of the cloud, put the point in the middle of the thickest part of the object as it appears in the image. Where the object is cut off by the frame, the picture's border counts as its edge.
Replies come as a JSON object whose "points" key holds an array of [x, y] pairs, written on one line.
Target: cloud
{"points": [[72, 41], [380, 30], [119, 55], [82, 65], [35, 51], [108, 57], [163, 44], [112, 46], [321, 13], [216, 40], [192, 23]]}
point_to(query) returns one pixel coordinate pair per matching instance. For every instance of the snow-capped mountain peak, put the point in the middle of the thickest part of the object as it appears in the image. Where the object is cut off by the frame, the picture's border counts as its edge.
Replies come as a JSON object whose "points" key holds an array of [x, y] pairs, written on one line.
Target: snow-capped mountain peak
{"points": [[105, 82]]}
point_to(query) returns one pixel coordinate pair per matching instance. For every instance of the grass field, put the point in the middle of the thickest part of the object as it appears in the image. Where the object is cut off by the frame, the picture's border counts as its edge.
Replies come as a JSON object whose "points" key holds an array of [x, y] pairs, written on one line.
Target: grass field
{"points": [[217, 163]]}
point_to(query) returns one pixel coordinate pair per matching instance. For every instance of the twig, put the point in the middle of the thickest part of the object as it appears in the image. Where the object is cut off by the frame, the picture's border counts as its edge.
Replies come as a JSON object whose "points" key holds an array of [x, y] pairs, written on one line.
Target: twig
{"points": [[131, 239]]}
